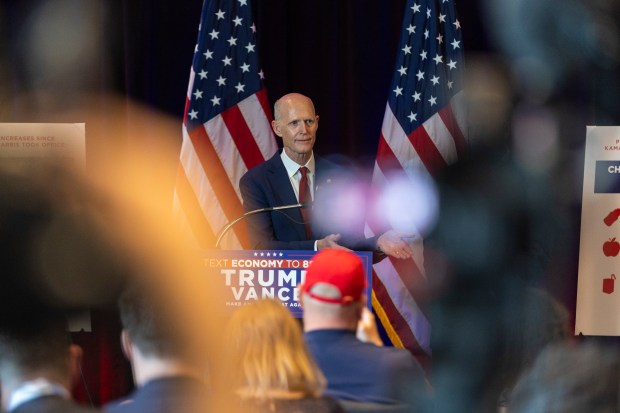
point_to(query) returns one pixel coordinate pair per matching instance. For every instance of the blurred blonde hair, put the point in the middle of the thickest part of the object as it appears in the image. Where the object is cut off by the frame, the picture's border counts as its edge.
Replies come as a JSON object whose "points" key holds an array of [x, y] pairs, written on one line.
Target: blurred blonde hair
{"points": [[267, 353]]}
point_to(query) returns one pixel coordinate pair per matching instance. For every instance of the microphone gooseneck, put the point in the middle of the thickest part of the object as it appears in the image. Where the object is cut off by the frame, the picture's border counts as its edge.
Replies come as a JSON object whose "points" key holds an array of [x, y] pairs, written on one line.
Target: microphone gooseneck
{"points": [[228, 226]]}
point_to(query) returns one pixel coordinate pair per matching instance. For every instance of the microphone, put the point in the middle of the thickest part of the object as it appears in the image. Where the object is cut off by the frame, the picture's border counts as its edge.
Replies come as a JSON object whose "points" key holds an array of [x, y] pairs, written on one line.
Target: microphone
{"points": [[228, 226]]}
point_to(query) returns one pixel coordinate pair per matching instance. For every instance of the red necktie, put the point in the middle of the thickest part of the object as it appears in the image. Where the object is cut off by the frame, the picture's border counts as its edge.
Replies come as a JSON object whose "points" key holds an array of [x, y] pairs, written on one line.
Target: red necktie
{"points": [[305, 198]]}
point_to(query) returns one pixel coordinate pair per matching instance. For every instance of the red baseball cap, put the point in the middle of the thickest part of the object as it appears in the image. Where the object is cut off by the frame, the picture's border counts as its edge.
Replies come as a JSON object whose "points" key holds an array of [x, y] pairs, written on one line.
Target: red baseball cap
{"points": [[337, 268]]}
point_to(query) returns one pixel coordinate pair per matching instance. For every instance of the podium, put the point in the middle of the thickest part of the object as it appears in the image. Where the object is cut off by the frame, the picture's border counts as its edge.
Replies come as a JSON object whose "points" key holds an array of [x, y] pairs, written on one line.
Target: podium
{"points": [[248, 275]]}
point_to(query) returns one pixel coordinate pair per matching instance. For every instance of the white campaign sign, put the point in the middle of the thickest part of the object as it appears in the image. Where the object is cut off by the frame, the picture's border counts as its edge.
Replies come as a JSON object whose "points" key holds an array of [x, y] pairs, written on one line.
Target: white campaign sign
{"points": [[598, 292], [29, 141]]}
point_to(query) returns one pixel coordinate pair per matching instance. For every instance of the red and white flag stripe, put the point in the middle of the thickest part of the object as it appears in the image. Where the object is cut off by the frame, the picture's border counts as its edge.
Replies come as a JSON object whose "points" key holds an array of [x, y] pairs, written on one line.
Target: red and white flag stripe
{"points": [[399, 285], [213, 159]]}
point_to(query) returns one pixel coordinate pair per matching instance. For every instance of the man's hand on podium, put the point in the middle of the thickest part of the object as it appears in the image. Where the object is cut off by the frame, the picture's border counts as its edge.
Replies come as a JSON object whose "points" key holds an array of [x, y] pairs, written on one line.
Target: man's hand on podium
{"points": [[330, 241], [393, 244]]}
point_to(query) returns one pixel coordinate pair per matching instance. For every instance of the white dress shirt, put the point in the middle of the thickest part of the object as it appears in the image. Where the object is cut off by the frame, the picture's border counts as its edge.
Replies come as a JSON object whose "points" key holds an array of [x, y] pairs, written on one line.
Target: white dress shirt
{"points": [[292, 168]]}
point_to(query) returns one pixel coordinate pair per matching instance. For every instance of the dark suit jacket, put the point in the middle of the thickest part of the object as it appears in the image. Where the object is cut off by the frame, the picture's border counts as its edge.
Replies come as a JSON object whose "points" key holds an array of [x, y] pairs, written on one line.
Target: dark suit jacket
{"points": [[268, 185], [52, 404], [165, 395]]}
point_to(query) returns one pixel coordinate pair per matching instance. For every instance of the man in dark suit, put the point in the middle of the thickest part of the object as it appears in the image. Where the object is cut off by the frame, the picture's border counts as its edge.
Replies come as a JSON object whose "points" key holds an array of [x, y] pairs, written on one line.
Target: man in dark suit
{"points": [[295, 175], [38, 363], [167, 358]]}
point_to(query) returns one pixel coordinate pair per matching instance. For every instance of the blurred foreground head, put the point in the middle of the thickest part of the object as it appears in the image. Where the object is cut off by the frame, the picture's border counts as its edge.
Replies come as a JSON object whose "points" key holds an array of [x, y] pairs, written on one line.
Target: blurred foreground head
{"points": [[58, 245], [570, 378], [71, 242]]}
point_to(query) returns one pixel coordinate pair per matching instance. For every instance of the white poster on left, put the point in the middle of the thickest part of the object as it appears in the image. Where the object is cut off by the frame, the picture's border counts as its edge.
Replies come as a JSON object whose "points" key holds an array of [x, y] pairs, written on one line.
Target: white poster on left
{"points": [[23, 142]]}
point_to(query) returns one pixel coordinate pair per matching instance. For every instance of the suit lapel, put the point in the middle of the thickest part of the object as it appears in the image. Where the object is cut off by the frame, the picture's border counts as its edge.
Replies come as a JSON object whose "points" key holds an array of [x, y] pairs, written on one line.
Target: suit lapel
{"points": [[280, 182], [283, 192]]}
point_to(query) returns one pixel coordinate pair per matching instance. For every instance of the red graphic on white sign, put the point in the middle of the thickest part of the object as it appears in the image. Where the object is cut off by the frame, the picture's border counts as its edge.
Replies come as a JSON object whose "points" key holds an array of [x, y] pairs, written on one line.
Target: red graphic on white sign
{"points": [[611, 248], [608, 284], [612, 217]]}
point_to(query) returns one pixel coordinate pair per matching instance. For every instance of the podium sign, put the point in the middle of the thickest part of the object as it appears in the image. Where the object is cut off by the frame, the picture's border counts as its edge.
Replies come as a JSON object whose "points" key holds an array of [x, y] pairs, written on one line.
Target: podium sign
{"points": [[598, 304], [251, 275]]}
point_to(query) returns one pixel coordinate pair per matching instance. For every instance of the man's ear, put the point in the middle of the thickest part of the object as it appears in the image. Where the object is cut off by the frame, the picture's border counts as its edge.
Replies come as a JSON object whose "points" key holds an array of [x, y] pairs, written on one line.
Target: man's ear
{"points": [[126, 345], [275, 125], [75, 362]]}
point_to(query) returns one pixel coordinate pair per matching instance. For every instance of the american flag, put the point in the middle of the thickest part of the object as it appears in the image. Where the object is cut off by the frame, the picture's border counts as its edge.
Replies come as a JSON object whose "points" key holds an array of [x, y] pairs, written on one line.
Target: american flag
{"points": [[226, 126], [421, 133]]}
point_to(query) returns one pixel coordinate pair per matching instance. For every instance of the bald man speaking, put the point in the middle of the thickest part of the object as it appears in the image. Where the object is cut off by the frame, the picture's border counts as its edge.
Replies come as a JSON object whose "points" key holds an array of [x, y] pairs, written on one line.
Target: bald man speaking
{"points": [[290, 177]]}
